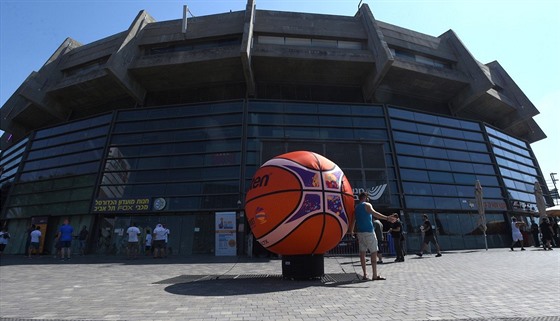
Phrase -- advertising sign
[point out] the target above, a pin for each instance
(128, 205)
(226, 238)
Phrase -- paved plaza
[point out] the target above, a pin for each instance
(462, 285)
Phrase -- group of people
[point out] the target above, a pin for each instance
(366, 227)
(62, 243)
(157, 240)
(370, 231)
(546, 229)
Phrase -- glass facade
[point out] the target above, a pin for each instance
(189, 155)
(57, 177)
(518, 168)
(179, 165)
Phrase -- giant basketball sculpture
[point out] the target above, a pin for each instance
(299, 205)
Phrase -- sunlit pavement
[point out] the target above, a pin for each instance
(462, 285)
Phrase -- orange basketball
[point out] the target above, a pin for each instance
(299, 203)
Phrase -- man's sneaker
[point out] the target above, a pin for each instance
(419, 254)
(380, 262)
(438, 255)
(522, 249)
(512, 248)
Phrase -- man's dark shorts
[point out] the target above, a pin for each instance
(430, 238)
(64, 244)
(34, 245)
(159, 244)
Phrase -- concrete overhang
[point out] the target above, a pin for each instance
(311, 65)
(528, 130)
(34, 116)
(428, 83)
(184, 70)
(96, 88)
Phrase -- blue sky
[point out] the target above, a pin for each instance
(521, 35)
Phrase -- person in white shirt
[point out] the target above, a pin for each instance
(35, 241)
(133, 233)
(160, 234)
(516, 233)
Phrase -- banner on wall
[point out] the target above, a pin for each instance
(226, 239)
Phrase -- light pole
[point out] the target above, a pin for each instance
(554, 180)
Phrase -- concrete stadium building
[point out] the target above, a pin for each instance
(162, 123)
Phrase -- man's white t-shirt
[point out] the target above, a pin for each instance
(35, 236)
(133, 232)
(160, 233)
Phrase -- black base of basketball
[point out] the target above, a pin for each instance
(303, 267)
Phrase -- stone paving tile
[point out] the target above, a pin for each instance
(463, 285)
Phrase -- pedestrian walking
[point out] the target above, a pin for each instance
(547, 233)
(516, 233)
(535, 233)
(429, 236)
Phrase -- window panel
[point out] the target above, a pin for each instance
(464, 178)
(447, 203)
(444, 190)
(405, 161)
(458, 155)
(417, 188)
(483, 169)
(434, 152)
(462, 167)
(420, 202)
(370, 134)
(401, 113)
(438, 165)
(403, 125)
(408, 149)
(335, 121)
(406, 137)
(440, 177)
(431, 141)
(414, 175)
(428, 129)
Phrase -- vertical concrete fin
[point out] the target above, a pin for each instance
(512, 94)
(33, 90)
(479, 83)
(246, 46)
(118, 63)
(381, 52)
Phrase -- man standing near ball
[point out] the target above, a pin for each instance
(363, 221)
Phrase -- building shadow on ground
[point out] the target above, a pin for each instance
(230, 285)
